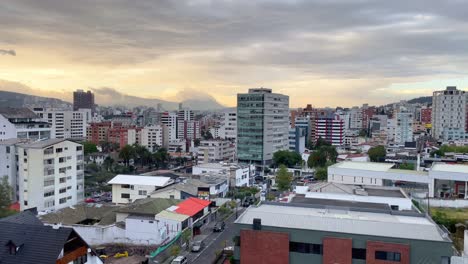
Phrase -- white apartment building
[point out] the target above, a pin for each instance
(22, 123)
(169, 119)
(50, 174)
(355, 118)
(239, 175)
(448, 111)
(128, 188)
(8, 162)
(215, 151)
(404, 127)
(66, 123)
(154, 135)
(229, 127)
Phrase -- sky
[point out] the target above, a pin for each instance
(324, 52)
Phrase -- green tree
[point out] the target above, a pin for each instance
(377, 153)
(406, 166)
(321, 173)
(161, 157)
(330, 153)
(321, 142)
(6, 192)
(196, 142)
(283, 179)
(89, 147)
(108, 163)
(287, 158)
(316, 159)
(175, 250)
(127, 153)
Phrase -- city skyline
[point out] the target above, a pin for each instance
(337, 53)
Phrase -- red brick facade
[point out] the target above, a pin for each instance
(373, 246)
(337, 250)
(264, 247)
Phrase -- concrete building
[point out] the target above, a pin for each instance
(123, 136)
(240, 175)
(22, 123)
(303, 233)
(262, 125)
(448, 111)
(404, 128)
(50, 174)
(83, 100)
(177, 145)
(229, 127)
(188, 129)
(215, 150)
(65, 123)
(297, 139)
(169, 119)
(8, 163)
(329, 127)
(128, 188)
(98, 132)
(304, 123)
(425, 115)
(154, 136)
(355, 118)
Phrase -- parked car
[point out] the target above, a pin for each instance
(219, 227)
(90, 200)
(197, 246)
(179, 260)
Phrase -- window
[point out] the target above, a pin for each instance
(61, 160)
(171, 197)
(141, 192)
(62, 180)
(58, 150)
(305, 248)
(63, 190)
(47, 194)
(78, 148)
(359, 253)
(62, 200)
(385, 255)
(125, 195)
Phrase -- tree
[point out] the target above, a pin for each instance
(6, 192)
(175, 250)
(89, 147)
(161, 157)
(363, 133)
(178, 149)
(321, 142)
(317, 159)
(321, 173)
(283, 179)
(330, 153)
(377, 154)
(127, 153)
(196, 142)
(287, 158)
(108, 162)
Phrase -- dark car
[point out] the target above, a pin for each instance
(219, 227)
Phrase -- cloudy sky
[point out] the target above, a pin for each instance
(326, 52)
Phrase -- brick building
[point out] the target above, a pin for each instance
(308, 233)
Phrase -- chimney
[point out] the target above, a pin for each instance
(257, 224)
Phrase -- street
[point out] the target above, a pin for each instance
(215, 242)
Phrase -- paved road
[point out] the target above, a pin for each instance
(215, 242)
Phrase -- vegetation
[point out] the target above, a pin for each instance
(287, 158)
(206, 135)
(242, 192)
(224, 211)
(127, 153)
(321, 173)
(89, 147)
(6, 193)
(322, 155)
(283, 179)
(449, 148)
(377, 154)
(406, 166)
(175, 250)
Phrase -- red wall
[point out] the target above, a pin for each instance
(373, 246)
(264, 247)
(337, 250)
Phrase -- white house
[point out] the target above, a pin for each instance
(128, 188)
(239, 175)
(22, 123)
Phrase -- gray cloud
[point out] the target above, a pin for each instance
(7, 52)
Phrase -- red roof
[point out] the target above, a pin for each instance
(192, 206)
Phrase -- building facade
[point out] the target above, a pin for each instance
(448, 111)
(329, 127)
(262, 125)
(66, 124)
(215, 151)
(169, 119)
(22, 123)
(154, 136)
(83, 100)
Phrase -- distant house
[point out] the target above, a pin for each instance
(128, 188)
(24, 239)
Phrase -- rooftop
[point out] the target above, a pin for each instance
(371, 166)
(302, 199)
(445, 167)
(173, 216)
(148, 206)
(159, 181)
(192, 206)
(12, 113)
(43, 143)
(342, 220)
(101, 214)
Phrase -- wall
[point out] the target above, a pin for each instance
(7, 129)
(117, 191)
(264, 247)
(96, 235)
(143, 231)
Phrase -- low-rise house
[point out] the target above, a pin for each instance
(128, 188)
(26, 240)
(240, 175)
(201, 186)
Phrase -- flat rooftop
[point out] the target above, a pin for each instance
(302, 199)
(371, 166)
(446, 167)
(344, 221)
(159, 181)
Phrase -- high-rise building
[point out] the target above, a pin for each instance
(65, 123)
(448, 111)
(154, 136)
(229, 125)
(47, 175)
(98, 132)
(83, 100)
(330, 127)
(170, 120)
(426, 115)
(262, 125)
(22, 123)
(297, 139)
(355, 118)
(215, 150)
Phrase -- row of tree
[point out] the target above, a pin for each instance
(142, 156)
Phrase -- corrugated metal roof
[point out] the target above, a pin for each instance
(344, 221)
(192, 206)
(172, 216)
